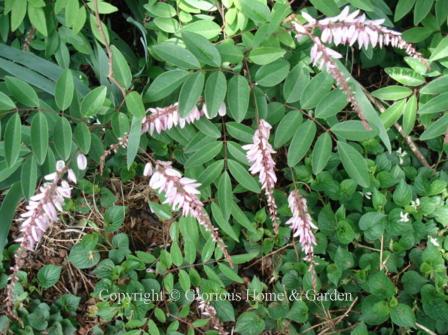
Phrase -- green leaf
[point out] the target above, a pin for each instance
(222, 222)
(403, 316)
(18, 12)
(120, 67)
(301, 142)
(403, 7)
(238, 97)
(114, 218)
(28, 177)
(298, 312)
(215, 92)
(229, 273)
(332, 104)
(49, 275)
(295, 83)
(409, 114)
(39, 137)
(287, 127)
(103, 7)
(93, 101)
(318, 87)
(65, 88)
(255, 10)
(134, 104)
(272, 74)
(96, 32)
(13, 139)
(354, 164)
(165, 84)
(190, 92)
(8, 210)
(204, 155)
(249, 323)
(37, 19)
(242, 176)
(22, 91)
(207, 28)
(421, 10)
(204, 51)
(380, 285)
(435, 105)
(6, 103)
(225, 194)
(266, 55)
(436, 86)
(435, 129)
(353, 130)
(82, 137)
(321, 153)
(63, 138)
(327, 7)
(133, 141)
(239, 131)
(84, 255)
(392, 92)
(393, 113)
(405, 76)
(176, 55)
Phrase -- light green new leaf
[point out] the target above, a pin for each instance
(441, 50)
(165, 84)
(207, 28)
(225, 195)
(204, 51)
(242, 176)
(238, 97)
(28, 177)
(37, 19)
(393, 113)
(18, 12)
(321, 153)
(403, 7)
(421, 10)
(22, 91)
(63, 138)
(190, 92)
(215, 92)
(436, 129)
(301, 142)
(435, 105)
(65, 89)
(39, 137)
(354, 164)
(409, 114)
(255, 10)
(436, 86)
(265, 55)
(13, 139)
(392, 92)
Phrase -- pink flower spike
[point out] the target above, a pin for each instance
(259, 155)
(301, 224)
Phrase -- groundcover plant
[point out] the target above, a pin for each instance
(223, 167)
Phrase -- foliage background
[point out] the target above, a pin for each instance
(78, 75)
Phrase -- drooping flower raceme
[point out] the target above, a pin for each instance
(209, 311)
(350, 28)
(182, 193)
(41, 211)
(301, 224)
(259, 154)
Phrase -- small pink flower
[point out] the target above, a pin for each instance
(81, 160)
(147, 172)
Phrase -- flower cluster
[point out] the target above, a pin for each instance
(259, 154)
(42, 211)
(301, 224)
(209, 311)
(182, 193)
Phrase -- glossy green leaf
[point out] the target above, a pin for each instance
(6, 103)
(215, 92)
(272, 74)
(332, 104)
(436, 129)
(65, 88)
(120, 67)
(238, 97)
(204, 51)
(176, 55)
(22, 91)
(8, 210)
(37, 19)
(421, 10)
(190, 92)
(393, 113)
(225, 195)
(13, 139)
(133, 141)
(403, 7)
(63, 138)
(435, 105)
(242, 176)
(318, 87)
(321, 153)
(222, 221)
(165, 84)
(409, 114)
(405, 76)
(265, 55)
(287, 127)
(204, 155)
(436, 86)
(93, 101)
(28, 177)
(393, 92)
(134, 104)
(295, 83)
